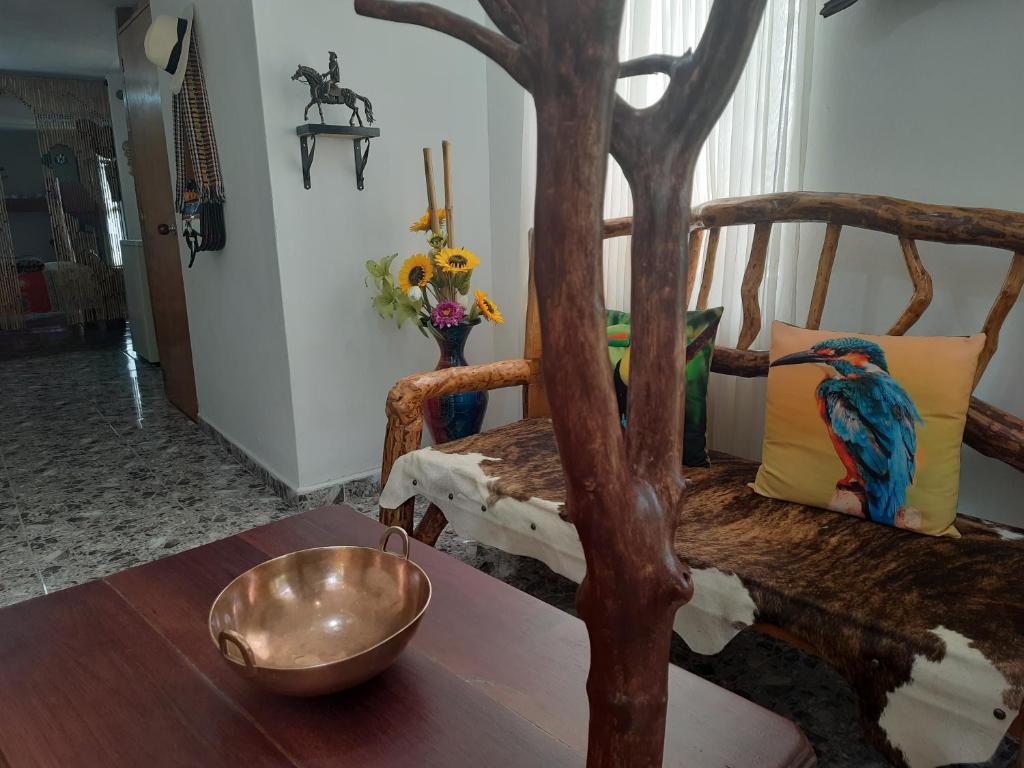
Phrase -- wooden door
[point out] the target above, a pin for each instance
(156, 213)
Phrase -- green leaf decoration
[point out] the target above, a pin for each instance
(406, 311)
(462, 282)
(380, 271)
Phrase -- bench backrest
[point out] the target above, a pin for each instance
(992, 431)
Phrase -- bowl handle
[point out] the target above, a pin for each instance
(229, 635)
(383, 546)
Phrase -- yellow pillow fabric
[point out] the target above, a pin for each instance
(868, 425)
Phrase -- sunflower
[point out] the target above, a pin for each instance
(455, 260)
(422, 224)
(488, 308)
(416, 271)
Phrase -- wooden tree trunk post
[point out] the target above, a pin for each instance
(428, 173)
(634, 581)
(449, 200)
(623, 491)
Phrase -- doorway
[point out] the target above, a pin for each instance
(61, 214)
(156, 212)
(26, 240)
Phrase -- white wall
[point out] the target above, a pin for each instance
(292, 363)
(424, 87)
(920, 99)
(235, 311)
(512, 171)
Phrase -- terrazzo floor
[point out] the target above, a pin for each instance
(98, 472)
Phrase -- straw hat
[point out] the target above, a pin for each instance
(167, 43)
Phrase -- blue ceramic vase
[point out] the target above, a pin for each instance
(450, 417)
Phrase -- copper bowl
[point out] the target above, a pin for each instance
(321, 620)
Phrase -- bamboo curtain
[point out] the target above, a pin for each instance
(76, 147)
(10, 295)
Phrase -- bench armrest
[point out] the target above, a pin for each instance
(406, 398)
(405, 411)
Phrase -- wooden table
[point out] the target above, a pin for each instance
(123, 672)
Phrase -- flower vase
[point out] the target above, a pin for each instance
(450, 417)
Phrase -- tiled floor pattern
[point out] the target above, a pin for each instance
(99, 472)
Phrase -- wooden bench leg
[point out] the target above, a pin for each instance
(1017, 730)
(401, 517)
(431, 526)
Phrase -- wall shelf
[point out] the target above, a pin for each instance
(359, 136)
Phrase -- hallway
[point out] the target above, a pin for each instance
(99, 472)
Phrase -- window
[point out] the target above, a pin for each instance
(113, 210)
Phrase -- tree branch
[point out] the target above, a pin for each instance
(653, 64)
(506, 18)
(714, 69)
(624, 133)
(656, 148)
(500, 49)
(654, 429)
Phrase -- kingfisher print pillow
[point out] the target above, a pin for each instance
(701, 327)
(868, 425)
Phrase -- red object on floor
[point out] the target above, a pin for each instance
(33, 290)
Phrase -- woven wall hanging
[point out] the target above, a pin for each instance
(172, 44)
(199, 187)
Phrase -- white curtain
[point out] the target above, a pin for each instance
(756, 147)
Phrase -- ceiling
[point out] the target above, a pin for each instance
(66, 37)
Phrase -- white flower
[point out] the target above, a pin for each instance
(415, 293)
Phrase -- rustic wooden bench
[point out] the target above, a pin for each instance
(935, 650)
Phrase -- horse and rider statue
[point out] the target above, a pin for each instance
(326, 89)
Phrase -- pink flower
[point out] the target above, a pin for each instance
(447, 314)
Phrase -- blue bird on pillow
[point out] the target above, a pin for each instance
(870, 419)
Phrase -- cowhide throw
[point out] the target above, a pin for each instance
(928, 631)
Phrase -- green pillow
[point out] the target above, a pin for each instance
(701, 327)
